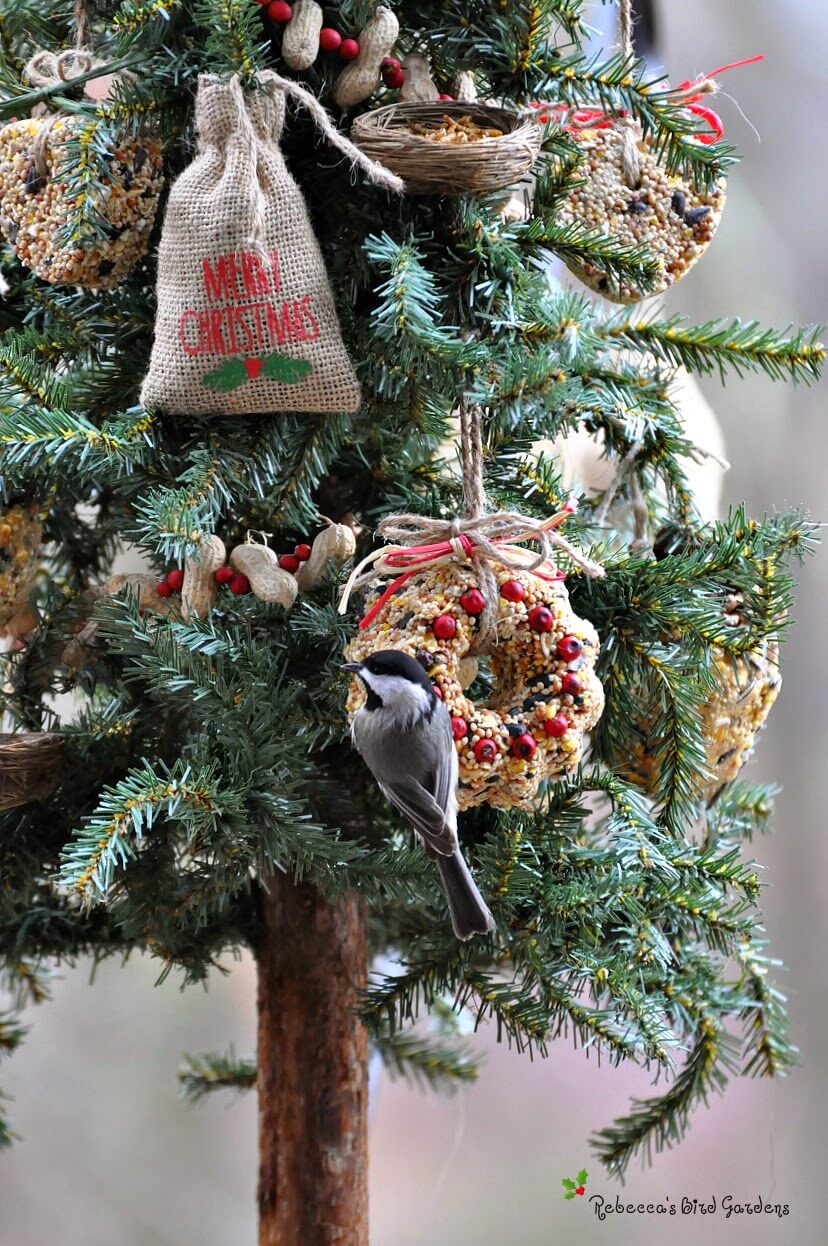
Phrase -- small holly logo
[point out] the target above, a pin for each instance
(236, 372)
(578, 1186)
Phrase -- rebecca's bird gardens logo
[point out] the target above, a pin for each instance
(578, 1186)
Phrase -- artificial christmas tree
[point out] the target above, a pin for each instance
(206, 795)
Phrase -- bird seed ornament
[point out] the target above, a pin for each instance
(466, 589)
(731, 719)
(625, 191)
(21, 529)
(246, 320)
(37, 200)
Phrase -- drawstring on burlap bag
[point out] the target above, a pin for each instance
(246, 320)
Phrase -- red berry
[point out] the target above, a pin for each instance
(580, 1189)
(459, 728)
(569, 648)
(473, 601)
(572, 683)
(438, 691)
(302, 552)
(393, 78)
(513, 590)
(443, 96)
(390, 62)
(541, 619)
(556, 726)
(329, 39)
(223, 575)
(253, 368)
(289, 562)
(349, 49)
(485, 750)
(279, 12)
(444, 626)
(263, 2)
(175, 579)
(524, 746)
(163, 589)
(239, 584)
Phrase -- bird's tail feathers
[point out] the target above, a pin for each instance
(469, 914)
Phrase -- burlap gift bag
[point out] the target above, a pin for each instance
(246, 319)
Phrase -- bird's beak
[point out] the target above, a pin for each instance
(355, 667)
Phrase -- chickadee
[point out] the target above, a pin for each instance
(404, 734)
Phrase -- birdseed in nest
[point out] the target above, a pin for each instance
(665, 213)
(20, 533)
(455, 130)
(731, 719)
(33, 210)
(546, 694)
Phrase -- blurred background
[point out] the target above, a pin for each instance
(109, 1155)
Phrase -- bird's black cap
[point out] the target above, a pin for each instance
(395, 662)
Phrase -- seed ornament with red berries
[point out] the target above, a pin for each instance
(465, 588)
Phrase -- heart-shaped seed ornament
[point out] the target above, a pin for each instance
(665, 213)
(35, 203)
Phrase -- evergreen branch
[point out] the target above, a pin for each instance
(767, 1051)
(35, 438)
(619, 83)
(174, 519)
(200, 1075)
(590, 249)
(742, 810)
(659, 1123)
(114, 833)
(233, 40)
(427, 1061)
(715, 346)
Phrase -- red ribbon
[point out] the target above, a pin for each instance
(415, 557)
(597, 119)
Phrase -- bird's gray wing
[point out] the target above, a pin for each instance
(433, 823)
(443, 784)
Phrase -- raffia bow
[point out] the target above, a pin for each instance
(486, 541)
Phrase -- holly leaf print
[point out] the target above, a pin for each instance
(285, 370)
(568, 1184)
(229, 376)
(582, 1177)
(569, 1194)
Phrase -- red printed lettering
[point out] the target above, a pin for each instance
(216, 285)
(313, 327)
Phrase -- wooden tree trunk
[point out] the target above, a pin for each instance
(312, 1070)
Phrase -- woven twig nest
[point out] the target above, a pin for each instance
(28, 766)
(429, 167)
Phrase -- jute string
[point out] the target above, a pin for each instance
(50, 69)
(484, 541)
(630, 129)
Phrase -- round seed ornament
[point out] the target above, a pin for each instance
(625, 192)
(545, 693)
(35, 203)
(731, 719)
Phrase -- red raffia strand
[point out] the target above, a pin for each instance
(598, 119)
(415, 557)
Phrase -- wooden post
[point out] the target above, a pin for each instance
(312, 1070)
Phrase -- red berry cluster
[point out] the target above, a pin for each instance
(234, 580)
(171, 583)
(292, 562)
(330, 40)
